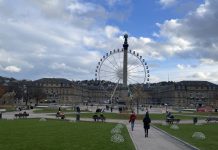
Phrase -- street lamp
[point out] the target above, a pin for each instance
(137, 105)
(25, 93)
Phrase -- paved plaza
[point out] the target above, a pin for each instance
(157, 140)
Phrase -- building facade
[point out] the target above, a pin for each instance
(186, 93)
(189, 94)
(58, 90)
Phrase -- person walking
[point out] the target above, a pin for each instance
(146, 122)
(77, 113)
(132, 119)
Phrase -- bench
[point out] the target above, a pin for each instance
(58, 115)
(97, 118)
(172, 120)
(23, 115)
(211, 119)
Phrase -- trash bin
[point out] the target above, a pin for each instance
(77, 116)
(195, 120)
(0, 115)
(216, 110)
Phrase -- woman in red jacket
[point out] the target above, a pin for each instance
(132, 120)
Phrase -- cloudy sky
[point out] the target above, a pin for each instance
(66, 38)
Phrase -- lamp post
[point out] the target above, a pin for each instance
(25, 94)
(137, 105)
(82, 95)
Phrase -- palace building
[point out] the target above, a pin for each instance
(185, 93)
(189, 94)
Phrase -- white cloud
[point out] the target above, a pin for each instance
(12, 69)
(76, 7)
(208, 61)
(202, 9)
(71, 36)
(89, 41)
(196, 35)
(182, 66)
(49, 36)
(155, 35)
(111, 31)
(170, 27)
(202, 71)
(167, 3)
(146, 47)
(155, 79)
(44, 37)
(200, 75)
(120, 2)
(112, 2)
(60, 66)
(40, 41)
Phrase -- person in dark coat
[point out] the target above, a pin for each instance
(146, 122)
(78, 109)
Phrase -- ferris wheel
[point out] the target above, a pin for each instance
(110, 68)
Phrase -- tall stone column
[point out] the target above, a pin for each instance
(125, 57)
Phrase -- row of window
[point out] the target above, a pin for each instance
(54, 84)
(195, 87)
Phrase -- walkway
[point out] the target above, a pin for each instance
(156, 140)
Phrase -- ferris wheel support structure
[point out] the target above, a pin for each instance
(112, 95)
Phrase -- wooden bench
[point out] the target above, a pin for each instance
(97, 118)
(211, 119)
(172, 120)
(23, 115)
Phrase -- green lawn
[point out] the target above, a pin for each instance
(59, 135)
(185, 132)
(205, 113)
(8, 108)
(188, 117)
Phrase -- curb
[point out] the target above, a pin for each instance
(178, 139)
